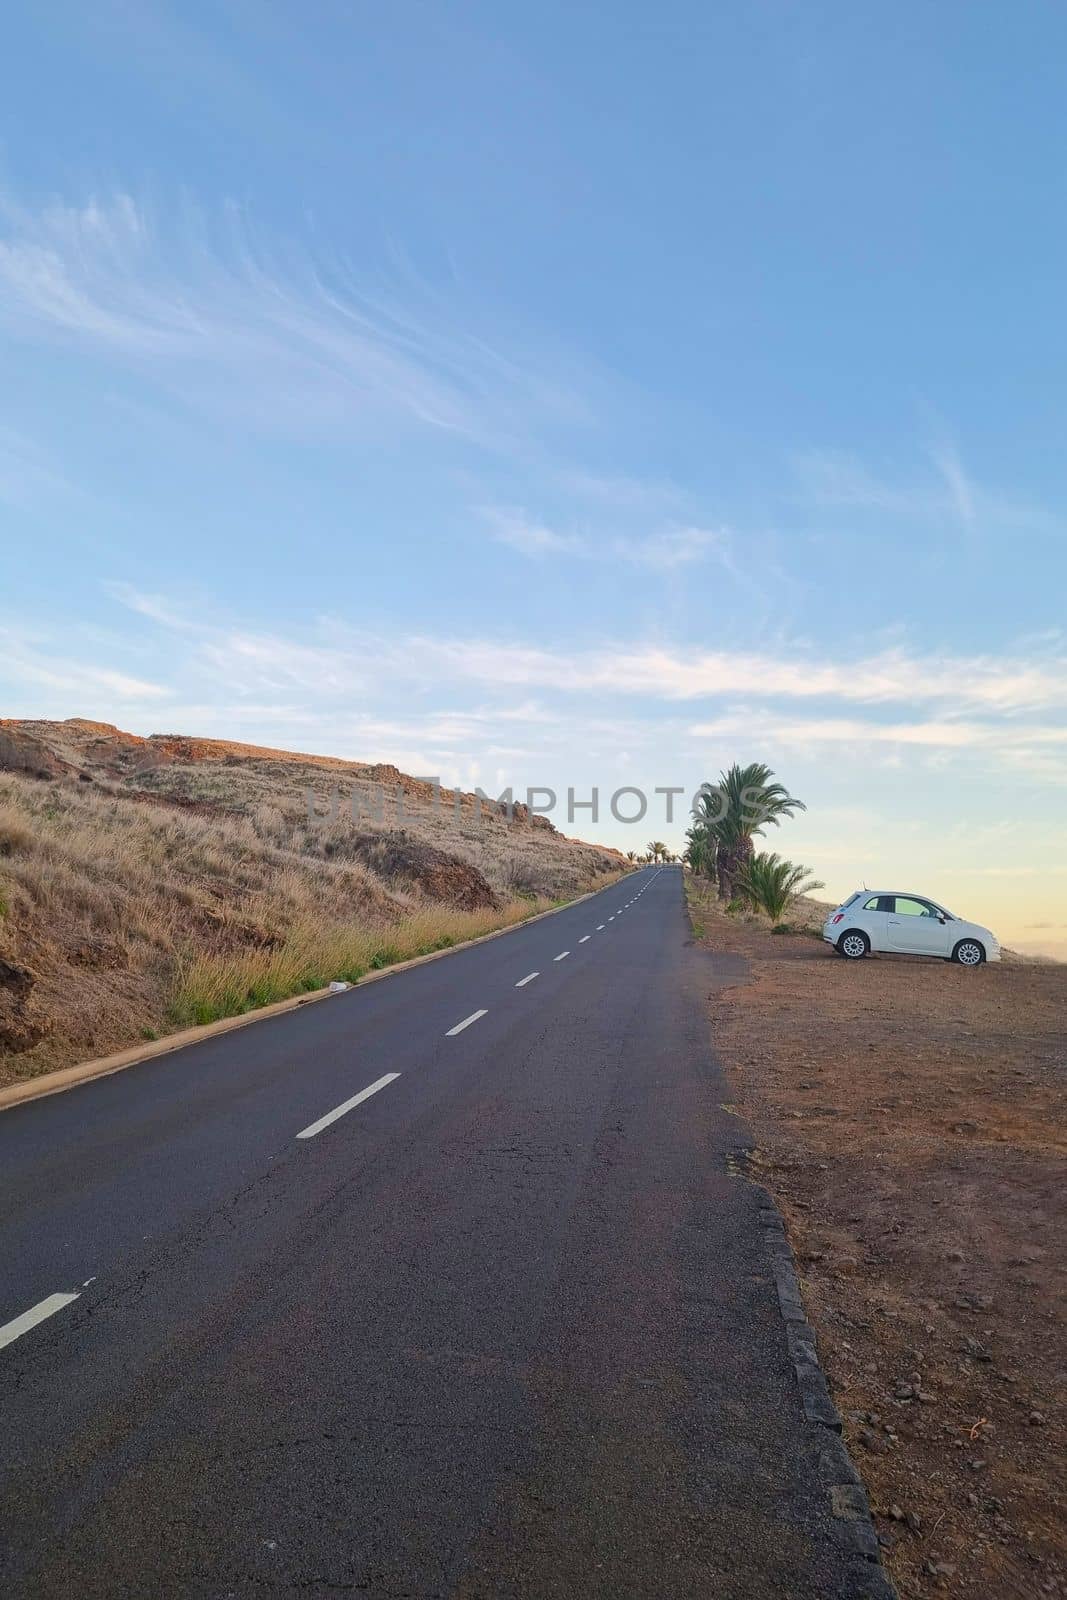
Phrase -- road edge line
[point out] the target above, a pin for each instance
(15, 1094)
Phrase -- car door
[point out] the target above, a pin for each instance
(918, 927)
(873, 918)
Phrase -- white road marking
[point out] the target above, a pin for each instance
(529, 978)
(561, 955)
(583, 939)
(347, 1105)
(600, 927)
(466, 1022)
(29, 1319)
(612, 917)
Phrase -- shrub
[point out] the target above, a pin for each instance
(15, 837)
(770, 883)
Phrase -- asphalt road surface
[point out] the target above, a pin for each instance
(502, 1327)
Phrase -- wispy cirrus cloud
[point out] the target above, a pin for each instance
(671, 548)
(833, 480)
(339, 658)
(272, 335)
(664, 550)
(944, 492)
(935, 733)
(446, 700)
(530, 537)
(34, 663)
(960, 492)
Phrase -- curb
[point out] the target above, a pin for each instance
(69, 1077)
(849, 1506)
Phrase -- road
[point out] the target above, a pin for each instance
(502, 1327)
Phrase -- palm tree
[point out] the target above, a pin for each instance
(700, 849)
(631, 855)
(735, 811)
(770, 883)
(657, 850)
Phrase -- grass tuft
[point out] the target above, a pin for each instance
(213, 985)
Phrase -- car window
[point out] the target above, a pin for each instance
(914, 908)
(879, 902)
(871, 904)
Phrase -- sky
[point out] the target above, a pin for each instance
(558, 396)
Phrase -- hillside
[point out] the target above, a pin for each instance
(149, 882)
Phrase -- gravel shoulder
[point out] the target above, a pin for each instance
(908, 1116)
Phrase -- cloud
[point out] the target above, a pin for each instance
(664, 674)
(664, 551)
(835, 480)
(530, 538)
(155, 607)
(1035, 749)
(676, 547)
(31, 662)
(936, 733)
(959, 489)
(393, 695)
(277, 338)
(625, 494)
(831, 479)
(340, 660)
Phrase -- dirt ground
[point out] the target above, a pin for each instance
(909, 1118)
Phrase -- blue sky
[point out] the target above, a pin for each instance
(557, 395)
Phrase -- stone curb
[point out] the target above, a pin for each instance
(849, 1506)
(69, 1077)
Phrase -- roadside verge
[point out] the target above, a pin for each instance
(909, 1121)
(849, 1507)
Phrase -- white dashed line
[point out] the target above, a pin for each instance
(466, 1022)
(529, 978)
(29, 1319)
(561, 956)
(583, 939)
(346, 1105)
(600, 927)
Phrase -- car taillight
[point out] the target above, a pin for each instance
(839, 917)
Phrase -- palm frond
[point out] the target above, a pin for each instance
(770, 883)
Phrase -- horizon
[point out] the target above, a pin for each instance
(581, 400)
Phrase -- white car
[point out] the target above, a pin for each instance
(882, 919)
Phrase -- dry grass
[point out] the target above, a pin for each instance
(213, 986)
(138, 914)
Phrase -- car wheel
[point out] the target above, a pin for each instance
(854, 945)
(969, 953)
